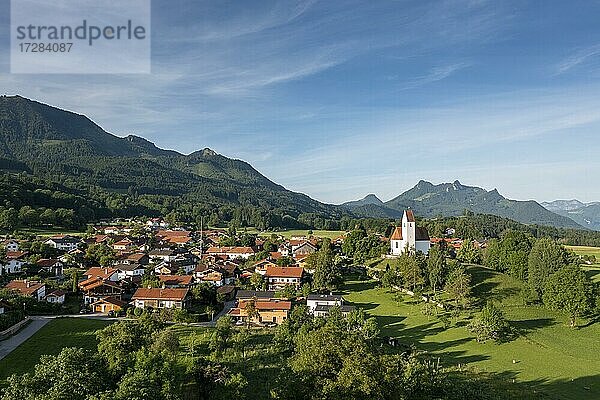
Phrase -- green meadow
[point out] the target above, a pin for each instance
(545, 356)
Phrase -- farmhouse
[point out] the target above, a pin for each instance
(409, 236)
(96, 288)
(161, 298)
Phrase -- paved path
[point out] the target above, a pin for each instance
(8, 345)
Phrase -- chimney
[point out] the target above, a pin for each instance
(106, 271)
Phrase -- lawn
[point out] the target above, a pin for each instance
(51, 339)
(547, 356)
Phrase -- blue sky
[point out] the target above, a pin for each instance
(338, 99)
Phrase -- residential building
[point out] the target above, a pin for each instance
(320, 304)
(56, 296)
(176, 281)
(108, 304)
(51, 266)
(25, 287)
(96, 288)
(269, 311)
(11, 245)
(161, 298)
(409, 237)
(64, 243)
(106, 273)
(280, 277)
(13, 262)
(125, 271)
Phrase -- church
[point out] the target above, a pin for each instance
(409, 236)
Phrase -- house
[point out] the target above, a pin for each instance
(13, 262)
(56, 296)
(107, 274)
(303, 249)
(226, 291)
(11, 245)
(108, 304)
(232, 252)
(255, 294)
(409, 236)
(157, 223)
(158, 255)
(125, 271)
(269, 311)
(320, 304)
(96, 288)
(260, 267)
(136, 258)
(34, 289)
(124, 245)
(280, 277)
(64, 243)
(161, 298)
(176, 281)
(51, 266)
(183, 264)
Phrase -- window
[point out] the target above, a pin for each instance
(274, 319)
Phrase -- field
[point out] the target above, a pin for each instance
(51, 339)
(547, 356)
(298, 232)
(593, 271)
(49, 232)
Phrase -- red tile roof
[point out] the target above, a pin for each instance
(268, 305)
(24, 286)
(103, 273)
(14, 255)
(284, 272)
(410, 216)
(176, 279)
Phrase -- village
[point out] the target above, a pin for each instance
(123, 267)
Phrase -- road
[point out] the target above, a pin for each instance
(8, 345)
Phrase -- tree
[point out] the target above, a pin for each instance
(468, 253)
(74, 273)
(251, 311)
(569, 290)
(221, 334)
(458, 286)
(257, 281)
(73, 374)
(411, 270)
(491, 255)
(489, 324)
(546, 258)
(436, 268)
(327, 275)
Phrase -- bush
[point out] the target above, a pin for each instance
(489, 324)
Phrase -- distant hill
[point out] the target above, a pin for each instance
(66, 147)
(451, 199)
(585, 214)
(372, 207)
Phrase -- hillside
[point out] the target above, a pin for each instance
(451, 199)
(585, 214)
(61, 146)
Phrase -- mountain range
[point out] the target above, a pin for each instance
(452, 199)
(70, 150)
(585, 214)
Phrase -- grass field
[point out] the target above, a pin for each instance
(260, 366)
(50, 232)
(547, 356)
(51, 339)
(593, 271)
(298, 232)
